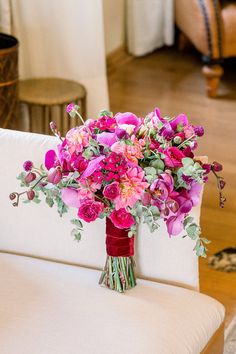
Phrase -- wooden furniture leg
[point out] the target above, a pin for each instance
(212, 74)
(183, 42)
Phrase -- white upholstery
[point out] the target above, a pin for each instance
(50, 308)
(38, 230)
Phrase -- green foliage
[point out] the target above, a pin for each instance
(76, 232)
(105, 113)
(194, 232)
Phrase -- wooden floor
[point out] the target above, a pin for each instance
(173, 81)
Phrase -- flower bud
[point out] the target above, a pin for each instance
(222, 184)
(206, 167)
(55, 175)
(30, 194)
(12, 196)
(53, 126)
(199, 130)
(217, 167)
(30, 177)
(28, 165)
(177, 139)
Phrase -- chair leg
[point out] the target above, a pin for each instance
(184, 43)
(213, 75)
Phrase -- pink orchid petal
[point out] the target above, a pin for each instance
(50, 158)
(175, 224)
(92, 166)
(181, 119)
(107, 138)
(70, 197)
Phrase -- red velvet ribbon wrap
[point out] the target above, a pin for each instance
(118, 243)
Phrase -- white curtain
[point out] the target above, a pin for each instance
(62, 38)
(150, 25)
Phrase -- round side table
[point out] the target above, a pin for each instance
(48, 93)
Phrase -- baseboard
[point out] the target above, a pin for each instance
(117, 58)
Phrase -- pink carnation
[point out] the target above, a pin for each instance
(90, 210)
(122, 219)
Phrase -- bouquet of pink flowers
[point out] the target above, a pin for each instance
(125, 169)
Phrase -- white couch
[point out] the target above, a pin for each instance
(51, 302)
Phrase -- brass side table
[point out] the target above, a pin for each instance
(48, 93)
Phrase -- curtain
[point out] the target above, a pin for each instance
(150, 25)
(62, 38)
(5, 16)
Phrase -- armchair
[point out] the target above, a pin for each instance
(51, 302)
(211, 26)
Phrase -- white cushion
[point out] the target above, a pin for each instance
(50, 308)
(38, 230)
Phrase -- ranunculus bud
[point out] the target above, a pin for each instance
(53, 126)
(30, 194)
(70, 107)
(12, 196)
(30, 177)
(199, 130)
(206, 167)
(222, 184)
(217, 167)
(28, 165)
(55, 175)
(177, 139)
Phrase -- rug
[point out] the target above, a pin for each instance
(230, 338)
(224, 260)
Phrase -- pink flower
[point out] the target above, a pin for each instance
(163, 186)
(173, 157)
(132, 187)
(90, 210)
(51, 159)
(175, 224)
(132, 152)
(75, 197)
(128, 121)
(55, 175)
(112, 191)
(27, 166)
(92, 166)
(107, 138)
(77, 139)
(122, 219)
(179, 122)
(70, 107)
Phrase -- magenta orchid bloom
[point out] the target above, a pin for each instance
(128, 122)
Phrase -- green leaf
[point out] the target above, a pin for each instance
(150, 171)
(187, 161)
(192, 231)
(77, 223)
(105, 113)
(188, 220)
(76, 234)
(49, 201)
(158, 164)
(128, 142)
(87, 154)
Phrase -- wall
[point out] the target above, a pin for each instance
(114, 24)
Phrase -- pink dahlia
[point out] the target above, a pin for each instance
(76, 139)
(132, 186)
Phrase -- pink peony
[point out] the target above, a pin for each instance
(90, 210)
(112, 191)
(122, 219)
(173, 157)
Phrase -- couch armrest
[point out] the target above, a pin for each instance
(201, 22)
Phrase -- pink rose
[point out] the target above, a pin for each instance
(122, 219)
(173, 157)
(111, 191)
(90, 210)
